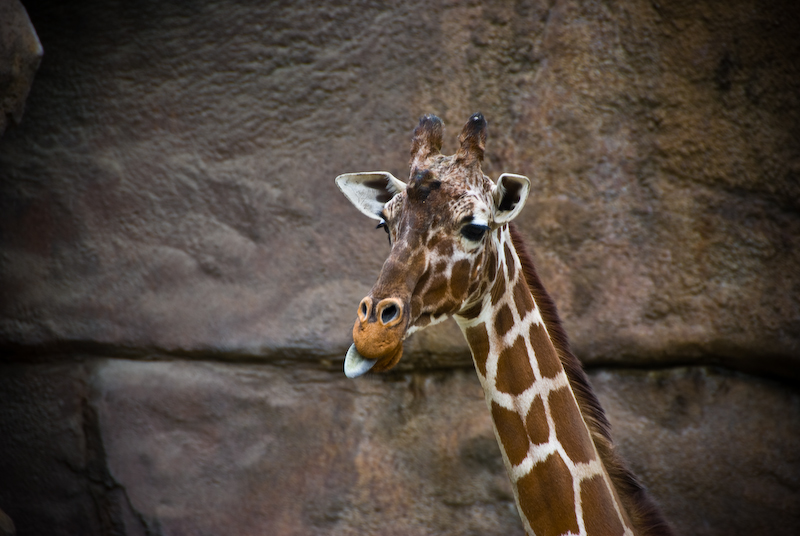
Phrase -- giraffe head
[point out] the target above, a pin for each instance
(441, 225)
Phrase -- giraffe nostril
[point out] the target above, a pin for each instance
(364, 309)
(389, 313)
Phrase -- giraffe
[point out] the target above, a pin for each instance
(455, 252)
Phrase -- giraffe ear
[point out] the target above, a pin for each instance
(370, 191)
(510, 195)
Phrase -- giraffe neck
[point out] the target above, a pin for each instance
(560, 483)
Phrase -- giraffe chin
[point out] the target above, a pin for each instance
(356, 365)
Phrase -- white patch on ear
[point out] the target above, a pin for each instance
(510, 195)
(369, 192)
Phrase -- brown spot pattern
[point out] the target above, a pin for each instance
(512, 433)
(477, 265)
(473, 311)
(549, 364)
(478, 340)
(423, 321)
(483, 288)
(546, 492)
(449, 305)
(498, 290)
(599, 515)
(549, 505)
(503, 320)
(473, 286)
(491, 265)
(437, 290)
(511, 266)
(570, 429)
(459, 279)
(523, 298)
(514, 372)
(422, 282)
(416, 306)
(444, 248)
(536, 422)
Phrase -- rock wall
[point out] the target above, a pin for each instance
(180, 275)
(20, 55)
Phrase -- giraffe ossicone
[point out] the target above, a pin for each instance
(455, 253)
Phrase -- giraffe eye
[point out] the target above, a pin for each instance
(385, 226)
(474, 232)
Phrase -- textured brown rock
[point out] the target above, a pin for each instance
(721, 451)
(667, 164)
(179, 194)
(54, 475)
(187, 448)
(20, 54)
(239, 449)
(202, 448)
(170, 196)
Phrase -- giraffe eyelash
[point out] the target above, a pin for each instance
(474, 232)
(385, 226)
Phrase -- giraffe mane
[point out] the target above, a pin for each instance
(644, 514)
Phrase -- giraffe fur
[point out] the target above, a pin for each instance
(455, 253)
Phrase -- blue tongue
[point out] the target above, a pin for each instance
(355, 365)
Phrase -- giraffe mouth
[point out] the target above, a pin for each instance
(373, 349)
(356, 364)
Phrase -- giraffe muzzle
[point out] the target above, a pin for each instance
(377, 336)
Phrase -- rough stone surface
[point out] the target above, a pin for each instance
(719, 450)
(211, 449)
(203, 448)
(663, 138)
(169, 448)
(169, 198)
(53, 478)
(20, 54)
(172, 187)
